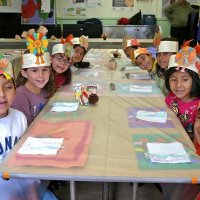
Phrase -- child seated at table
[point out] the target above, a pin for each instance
(61, 64)
(144, 59)
(129, 46)
(80, 46)
(35, 82)
(183, 83)
(166, 48)
(13, 124)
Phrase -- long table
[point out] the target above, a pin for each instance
(117, 149)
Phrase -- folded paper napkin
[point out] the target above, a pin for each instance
(159, 117)
(41, 146)
(173, 152)
(64, 106)
(144, 76)
(139, 88)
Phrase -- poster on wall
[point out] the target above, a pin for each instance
(38, 12)
(122, 5)
(94, 3)
(75, 8)
(10, 6)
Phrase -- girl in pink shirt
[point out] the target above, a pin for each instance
(182, 81)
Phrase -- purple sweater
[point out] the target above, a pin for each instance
(29, 103)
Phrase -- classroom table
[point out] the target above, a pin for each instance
(117, 149)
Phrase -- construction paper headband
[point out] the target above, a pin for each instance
(140, 51)
(29, 60)
(6, 68)
(130, 42)
(168, 46)
(66, 49)
(185, 59)
(37, 44)
(82, 41)
(68, 39)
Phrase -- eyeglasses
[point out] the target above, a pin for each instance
(62, 59)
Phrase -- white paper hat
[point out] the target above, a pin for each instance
(168, 46)
(128, 43)
(131, 42)
(30, 60)
(140, 51)
(58, 48)
(82, 41)
(173, 63)
(75, 40)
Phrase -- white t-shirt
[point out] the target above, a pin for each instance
(12, 127)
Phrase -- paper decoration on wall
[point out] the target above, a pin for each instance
(122, 5)
(129, 3)
(11, 6)
(94, 3)
(75, 8)
(45, 6)
(38, 12)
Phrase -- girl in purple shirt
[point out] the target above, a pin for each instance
(35, 82)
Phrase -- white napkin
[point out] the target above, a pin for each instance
(160, 117)
(173, 152)
(42, 146)
(139, 88)
(92, 74)
(141, 76)
(64, 106)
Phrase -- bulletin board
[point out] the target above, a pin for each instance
(10, 6)
(38, 12)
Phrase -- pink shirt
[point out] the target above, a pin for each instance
(185, 111)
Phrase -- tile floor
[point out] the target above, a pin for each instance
(117, 191)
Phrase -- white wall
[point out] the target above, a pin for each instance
(106, 11)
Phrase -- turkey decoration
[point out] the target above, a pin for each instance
(86, 94)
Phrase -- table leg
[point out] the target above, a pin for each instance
(135, 187)
(72, 190)
(105, 195)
